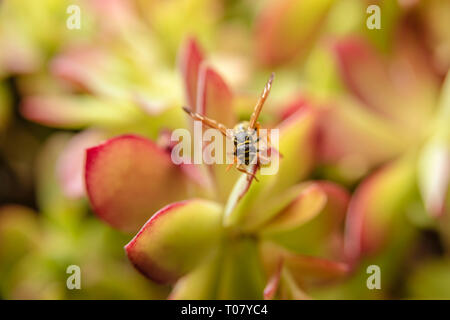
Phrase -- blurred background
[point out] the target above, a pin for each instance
(74, 73)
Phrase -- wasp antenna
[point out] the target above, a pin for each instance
(187, 110)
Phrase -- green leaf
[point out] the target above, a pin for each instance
(305, 270)
(309, 202)
(321, 234)
(176, 240)
(74, 112)
(377, 207)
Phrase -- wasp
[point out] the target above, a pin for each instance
(245, 135)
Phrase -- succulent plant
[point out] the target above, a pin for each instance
(281, 228)
(86, 123)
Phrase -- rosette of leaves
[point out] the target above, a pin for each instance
(272, 239)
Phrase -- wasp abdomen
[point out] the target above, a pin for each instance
(245, 149)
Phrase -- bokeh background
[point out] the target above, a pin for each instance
(382, 130)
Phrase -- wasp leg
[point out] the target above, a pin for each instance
(231, 164)
(249, 174)
(234, 160)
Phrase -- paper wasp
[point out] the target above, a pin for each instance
(245, 135)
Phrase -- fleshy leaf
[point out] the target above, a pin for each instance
(320, 233)
(286, 29)
(79, 66)
(129, 178)
(74, 112)
(305, 270)
(377, 206)
(176, 240)
(190, 59)
(239, 190)
(309, 202)
(214, 97)
(314, 271)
